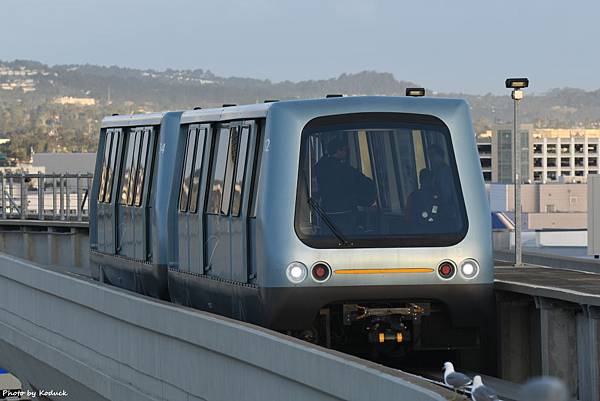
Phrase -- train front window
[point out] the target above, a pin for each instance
(378, 180)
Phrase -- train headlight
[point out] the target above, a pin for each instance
(296, 272)
(469, 268)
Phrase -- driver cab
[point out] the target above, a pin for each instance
(385, 176)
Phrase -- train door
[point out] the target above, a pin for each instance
(131, 211)
(227, 211)
(124, 217)
(137, 199)
(217, 246)
(238, 208)
(106, 201)
(191, 235)
(100, 210)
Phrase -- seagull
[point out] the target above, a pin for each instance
(481, 392)
(545, 388)
(456, 380)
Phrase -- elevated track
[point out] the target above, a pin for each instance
(65, 332)
(59, 329)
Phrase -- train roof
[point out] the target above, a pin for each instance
(349, 104)
(257, 110)
(133, 120)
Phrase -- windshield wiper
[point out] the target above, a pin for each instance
(323, 215)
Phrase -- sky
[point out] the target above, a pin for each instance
(467, 46)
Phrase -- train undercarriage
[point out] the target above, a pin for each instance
(379, 331)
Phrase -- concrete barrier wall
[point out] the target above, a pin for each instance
(61, 332)
(45, 242)
(544, 336)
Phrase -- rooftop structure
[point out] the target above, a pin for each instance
(565, 155)
(76, 163)
(75, 101)
(547, 206)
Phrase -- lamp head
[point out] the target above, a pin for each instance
(415, 92)
(517, 83)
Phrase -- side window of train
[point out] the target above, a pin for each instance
(134, 166)
(186, 176)
(234, 141)
(192, 169)
(126, 172)
(144, 163)
(105, 163)
(240, 170)
(108, 164)
(219, 163)
(197, 172)
(133, 174)
(229, 169)
(114, 149)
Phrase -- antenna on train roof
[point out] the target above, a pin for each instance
(229, 105)
(330, 95)
(197, 108)
(270, 100)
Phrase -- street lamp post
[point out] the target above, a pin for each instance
(517, 85)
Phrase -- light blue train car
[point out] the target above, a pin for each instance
(361, 218)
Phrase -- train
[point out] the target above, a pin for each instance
(359, 219)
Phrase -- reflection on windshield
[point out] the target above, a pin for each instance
(342, 187)
(380, 184)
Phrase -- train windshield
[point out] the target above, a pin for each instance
(378, 180)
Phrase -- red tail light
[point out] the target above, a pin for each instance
(446, 270)
(320, 271)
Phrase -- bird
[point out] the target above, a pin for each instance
(481, 392)
(456, 380)
(545, 388)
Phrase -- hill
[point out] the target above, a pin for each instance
(58, 108)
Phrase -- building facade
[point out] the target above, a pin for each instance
(548, 154)
(545, 206)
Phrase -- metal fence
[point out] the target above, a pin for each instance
(45, 196)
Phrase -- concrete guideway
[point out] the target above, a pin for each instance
(581, 288)
(549, 324)
(63, 332)
(550, 260)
